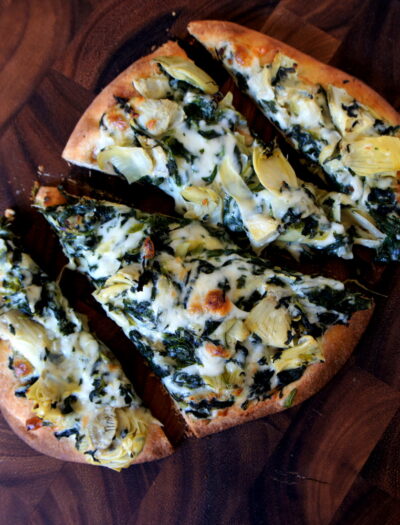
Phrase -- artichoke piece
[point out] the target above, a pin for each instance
(28, 338)
(131, 162)
(185, 70)
(156, 116)
(347, 114)
(237, 331)
(228, 379)
(200, 195)
(306, 352)
(270, 323)
(189, 247)
(102, 428)
(156, 86)
(204, 201)
(373, 156)
(262, 229)
(273, 170)
(124, 279)
(367, 234)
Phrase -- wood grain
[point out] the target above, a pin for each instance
(323, 462)
(34, 33)
(325, 447)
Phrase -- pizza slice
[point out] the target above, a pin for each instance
(61, 390)
(231, 336)
(164, 122)
(347, 132)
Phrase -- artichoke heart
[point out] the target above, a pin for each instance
(348, 116)
(273, 170)
(270, 323)
(306, 352)
(236, 331)
(102, 428)
(156, 116)
(200, 195)
(124, 279)
(29, 339)
(131, 162)
(372, 156)
(228, 379)
(156, 86)
(262, 228)
(185, 70)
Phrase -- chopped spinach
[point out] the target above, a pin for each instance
(261, 386)
(203, 409)
(181, 347)
(290, 376)
(187, 380)
(282, 74)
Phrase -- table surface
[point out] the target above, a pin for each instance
(333, 460)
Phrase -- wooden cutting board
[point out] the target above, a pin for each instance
(323, 462)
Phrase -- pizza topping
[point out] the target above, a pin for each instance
(357, 150)
(373, 155)
(191, 142)
(221, 329)
(33, 423)
(273, 170)
(131, 162)
(75, 386)
(187, 71)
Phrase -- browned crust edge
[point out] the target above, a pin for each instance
(86, 133)
(338, 343)
(16, 410)
(212, 34)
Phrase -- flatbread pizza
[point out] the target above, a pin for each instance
(164, 122)
(349, 135)
(61, 390)
(231, 336)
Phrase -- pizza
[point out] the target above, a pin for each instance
(231, 336)
(348, 134)
(61, 390)
(164, 122)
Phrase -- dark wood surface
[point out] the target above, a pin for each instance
(334, 459)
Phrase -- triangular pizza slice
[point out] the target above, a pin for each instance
(163, 121)
(349, 134)
(231, 336)
(60, 388)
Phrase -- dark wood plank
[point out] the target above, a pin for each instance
(370, 49)
(324, 448)
(333, 17)
(383, 466)
(125, 30)
(367, 505)
(291, 28)
(34, 33)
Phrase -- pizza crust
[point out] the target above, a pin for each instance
(248, 44)
(87, 132)
(16, 410)
(337, 343)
